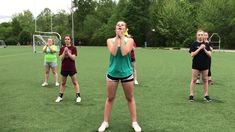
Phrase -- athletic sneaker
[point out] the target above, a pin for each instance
(210, 82)
(44, 84)
(79, 99)
(57, 84)
(207, 98)
(58, 99)
(191, 99)
(136, 127)
(103, 126)
(198, 81)
(136, 82)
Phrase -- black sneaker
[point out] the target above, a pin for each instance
(207, 98)
(191, 99)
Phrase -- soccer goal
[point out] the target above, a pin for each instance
(40, 39)
(215, 40)
(2, 44)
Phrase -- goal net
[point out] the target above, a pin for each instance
(215, 40)
(40, 39)
(2, 44)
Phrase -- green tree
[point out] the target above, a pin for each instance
(5, 30)
(25, 37)
(61, 23)
(83, 8)
(43, 20)
(217, 16)
(137, 17)
(26, 20)
(175, 22)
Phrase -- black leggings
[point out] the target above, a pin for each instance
(209, 70)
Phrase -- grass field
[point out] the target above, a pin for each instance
(161, 98)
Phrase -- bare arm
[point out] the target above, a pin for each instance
(208, 53)
(197, 51)
(51, 49)
(44, 48)
(71, 56)
(125, 49)
(112, 46)
(62, 56)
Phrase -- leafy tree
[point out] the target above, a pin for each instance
(174, 21)
(5, 30)
(25, 37)
(61, 23)
(43, 20)
(137, 17)
(216, 16)
(26, 20)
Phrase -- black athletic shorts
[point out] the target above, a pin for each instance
(66, 73)
(123, 79)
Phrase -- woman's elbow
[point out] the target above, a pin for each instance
(124, 53)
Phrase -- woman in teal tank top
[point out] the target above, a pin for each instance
(120, 69)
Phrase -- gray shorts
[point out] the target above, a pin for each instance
(50, 64)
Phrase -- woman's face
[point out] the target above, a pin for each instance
(200, 36)
(206, 36)
(121, 26)
(50, 41)
(67, 40)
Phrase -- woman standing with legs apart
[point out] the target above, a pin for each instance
(120, 69)
(201, 54)
(68, 55)
(50, 61)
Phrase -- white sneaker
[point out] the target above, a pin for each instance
(44, 84)
(198, 81)
(136, 82)
(57, 84)
(79, 99)
(58, 99)
(136, 127)
(103, 126)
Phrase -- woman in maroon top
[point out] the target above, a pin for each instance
(68, 55)
(133, 62)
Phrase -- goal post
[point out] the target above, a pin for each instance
(215, 40)
(2, 44)
(40, 39)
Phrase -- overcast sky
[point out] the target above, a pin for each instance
(11, 7)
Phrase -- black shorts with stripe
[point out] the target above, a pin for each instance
(123, 79)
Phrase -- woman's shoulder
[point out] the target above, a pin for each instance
(110, 40)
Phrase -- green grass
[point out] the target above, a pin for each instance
(161, 97)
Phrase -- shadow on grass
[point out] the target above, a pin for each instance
(217, 101)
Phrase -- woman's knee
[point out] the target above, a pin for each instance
(47, 72)
(110, 98)
(54, 72)
(75, 83)
(130, 98)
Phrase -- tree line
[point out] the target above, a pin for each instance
(160, 23)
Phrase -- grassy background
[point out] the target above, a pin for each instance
(161, 97)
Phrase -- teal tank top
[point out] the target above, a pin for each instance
(120, 66)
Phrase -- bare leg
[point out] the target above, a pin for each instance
(55, 74)
(193, 81)
(205, 81)
(134, 70)
(128, 88)
(75, 83)
(63, 83)
(47, 71)
(111, 88)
